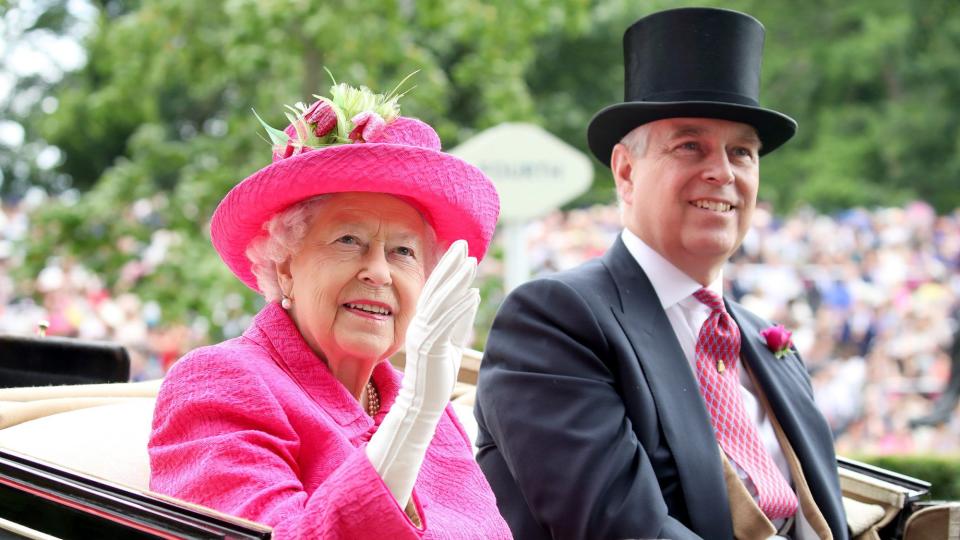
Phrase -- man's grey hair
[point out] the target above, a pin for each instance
(285, 233)
(636, 142)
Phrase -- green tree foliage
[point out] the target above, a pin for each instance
(24, 87)
(873, 85)
(161, 112)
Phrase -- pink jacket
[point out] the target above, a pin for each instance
(258, 427)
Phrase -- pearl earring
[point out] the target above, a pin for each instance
(286, 303)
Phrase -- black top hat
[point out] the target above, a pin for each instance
(690, 62)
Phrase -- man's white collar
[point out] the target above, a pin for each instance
(670, 283)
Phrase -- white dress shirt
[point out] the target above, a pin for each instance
(687, 314)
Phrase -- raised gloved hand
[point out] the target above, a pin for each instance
(435, 338)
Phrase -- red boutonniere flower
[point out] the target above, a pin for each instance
(778, 340)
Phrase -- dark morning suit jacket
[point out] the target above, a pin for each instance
(591, 424)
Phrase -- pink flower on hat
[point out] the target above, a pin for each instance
(284, 150)
(291, 147)
(367, 126)
(778, 340)
(322, 116)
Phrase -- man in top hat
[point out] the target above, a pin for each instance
(626, 398)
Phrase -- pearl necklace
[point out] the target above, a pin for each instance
(373, 399)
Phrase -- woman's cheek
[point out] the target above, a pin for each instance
(401, 322)
(407, 300)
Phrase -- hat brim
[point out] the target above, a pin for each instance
(456, 198)
(611, 124)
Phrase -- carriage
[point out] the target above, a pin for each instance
(73, 456)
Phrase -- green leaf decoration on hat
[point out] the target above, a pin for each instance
(277, 136)
(346, 102)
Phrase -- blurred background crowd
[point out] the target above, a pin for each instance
(124, 122)
(872, 298)
(74, 301)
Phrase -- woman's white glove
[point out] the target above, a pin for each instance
(435, 338)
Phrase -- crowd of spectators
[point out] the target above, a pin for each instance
(72, 301)
(872, 298)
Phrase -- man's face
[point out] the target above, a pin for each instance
(690, 195)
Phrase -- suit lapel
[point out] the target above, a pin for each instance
(782, 380)
(682, 414)
(784, 383)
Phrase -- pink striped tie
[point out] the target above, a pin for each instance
(718, 349)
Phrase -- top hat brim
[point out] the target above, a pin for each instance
(611, 124)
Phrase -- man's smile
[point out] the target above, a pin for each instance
(716, 206)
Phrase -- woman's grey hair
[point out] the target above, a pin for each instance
(285, 234)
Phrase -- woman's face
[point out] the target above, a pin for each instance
(356, 278)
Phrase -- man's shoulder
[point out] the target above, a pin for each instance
(588, 279)
(573, 299)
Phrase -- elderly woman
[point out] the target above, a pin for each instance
(300, 423)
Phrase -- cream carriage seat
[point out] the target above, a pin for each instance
(97, 429)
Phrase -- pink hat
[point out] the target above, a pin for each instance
(376, 151)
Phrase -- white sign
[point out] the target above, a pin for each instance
(534, 171)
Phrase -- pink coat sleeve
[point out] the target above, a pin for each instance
(221, 438)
